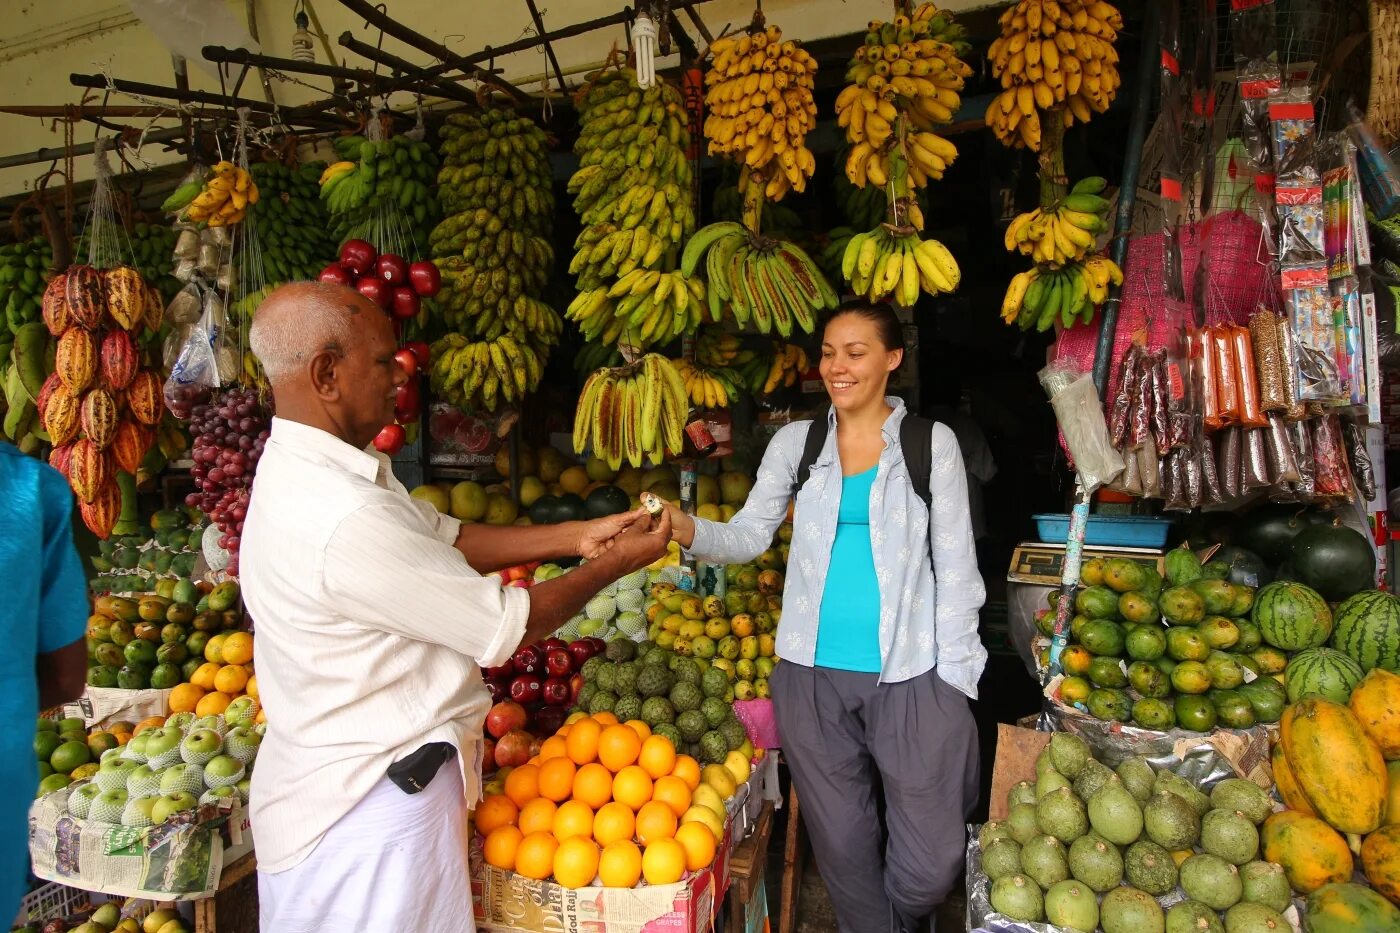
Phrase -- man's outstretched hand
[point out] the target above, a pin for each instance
(643, 541)
(598, 535)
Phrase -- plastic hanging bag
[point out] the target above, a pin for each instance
(1174, 486)
(1150, 471)
(1306, 487)
(1080, 415)
(1330, 459)
(1227, 462)
(1120, 417)
(198, 363)
(1254, 460)
(1362, 470)
(1283, 460)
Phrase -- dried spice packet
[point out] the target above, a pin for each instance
(1207, 384)
(1150, 471)
(1119, 417)
(1362, 470)
(1227, 389)
(1301, 432)
(1212, 492)
(1141, 429)
(1174, 494)
(1283, 462)
(1254, 460)
(1288, 347)
(1268, 361)
(1251, 412)
(1227, 461)
(1330, 459)
(1192, 481)
(1161, 407)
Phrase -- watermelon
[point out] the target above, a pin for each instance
(1368, 630)
(1322, 671)
(1270, 529)
(1335, 560)
(1291, 616)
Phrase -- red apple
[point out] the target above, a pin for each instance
(599, 646)
(558, 662)
(528, 660)
(425, 278)
(358, 255)
(513, 749)
(390, 439)
(337, 274)
(555, 691)
(552, 642)
(404, 302)
(421, 351)
(506, 670)
(550, 718)
(392, 269)
(575, 685)
(579, 651)
(407, 401)
(498, 687)
(526, 688)
(375, 290)
(408, 360)
(504, 717)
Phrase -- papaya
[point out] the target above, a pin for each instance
(1380, 860)
(1335, 764)
(1288, 789)
(1376, 703)
(1311, 853)
(1392, 810)
(1349, 908)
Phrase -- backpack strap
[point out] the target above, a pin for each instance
(816, 440)
(916, 442)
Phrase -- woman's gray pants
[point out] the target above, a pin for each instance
(839, 730)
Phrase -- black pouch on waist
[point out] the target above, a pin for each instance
(417, 771)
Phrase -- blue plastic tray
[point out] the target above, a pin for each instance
(1107, 530)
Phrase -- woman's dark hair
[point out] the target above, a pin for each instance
(887, 325)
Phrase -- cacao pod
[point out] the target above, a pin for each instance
(91, 470)
(86, 301)
(155, 308)
(129, 445)
(60, 416)
(100, 515)
(55, 305)
(118, 360)
(76, 358)
(126, 296)
(98, 416)
(145, 397)
(42, 402)
(61, 459)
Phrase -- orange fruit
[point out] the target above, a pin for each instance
(501, 845)
(495, 811)
(523, 784)
(203, 675)
(537, 816)
(688, 770)
(573, 718)
(605, 718)
(618, 747)
(620, 865)
(231, 679)
(582, 741)
(573, 818)
(613, 823)
(214, 648)
(150, 722)
(553, 747)
(557, 779)
(185, 697)
(593, 784)
(642, 729)
(252, 687)
(576, 862)
(663, 862)
(534, 857)
(655, 821)
(658, 756)
(699, 845)
(632, 786)
(672, 791)
(238, 648)
(212, 704)
(122, 737)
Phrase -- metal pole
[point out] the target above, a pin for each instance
(548, 49)
(388, 59)
(1103, 350)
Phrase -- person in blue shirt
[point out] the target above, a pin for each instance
(45, 660)
(878, 635)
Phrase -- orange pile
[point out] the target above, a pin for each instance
(602, 801)
(226, 675)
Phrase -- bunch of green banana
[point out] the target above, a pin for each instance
(771, 283)
(709, 387)
(480, 375)
(632, 194)
(493, 248)
(379, 186)
(593, 356)
(292, 224)
(634, 413)
(28, 364)
(1065, 232)
(894, 262)
(647, 307)
(150, 248)
(24, 271)
(1042, 297)
(715, 349)
(829, 259)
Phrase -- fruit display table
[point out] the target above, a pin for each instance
(746, 871)
(234, 907)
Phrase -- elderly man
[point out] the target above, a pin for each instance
(373, 621)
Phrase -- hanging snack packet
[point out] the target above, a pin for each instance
(1362, 470)
(1227, 461)
(1330, 459)
(1254, 465)
(1251, 413)
(1227, 388)
(1283, 461)
(1118, 421)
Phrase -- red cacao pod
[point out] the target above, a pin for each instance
(100, 515)
(60, 416)
(145, 397)
(91, 470)
(76, 358)
(118, 360)
(86, 300)
(98, 417)
(57, 316)
(126, 296)
(129, 445)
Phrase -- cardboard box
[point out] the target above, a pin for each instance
(1017, 750)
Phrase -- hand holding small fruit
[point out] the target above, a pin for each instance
(596, 536)
(641, 543)
(682, 525)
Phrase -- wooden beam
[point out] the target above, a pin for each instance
(441, 88)
(548, 49)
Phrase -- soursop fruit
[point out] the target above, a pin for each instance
(1193, 917)
(1044, 859)
(137, 812)
(1071, 904)
(602, 702)
(1255, 918)
(80, 800)
(692, 725)
(1230, 835)
(1061, 814)
(628, 707)
(1114, 813)
(713, 683)
(686, 697)
(1245, 796)
(1128, 910)
(1096, 862)
(1265, 883)
(1001, 858)
(657, 711)
(1212, 881)
(1018, 897)
(715, 711)
(625, 680)
(1068, 753)
(687, 671)
(734, 732)
(1150, 867)
(669, 730)
(713, 747)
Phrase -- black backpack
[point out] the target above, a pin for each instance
(915, 440)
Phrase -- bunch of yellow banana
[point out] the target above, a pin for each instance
(888, 263)
(642, 308)
(224, 197)
(771, 283)
(1065, 233)
(632, 194)
(760, 106)
(479, 375)
(789, 363)
(635, 412)
(1055, 56)
(709, 387)
(908, 68)
(1040, 297)
(715, 349)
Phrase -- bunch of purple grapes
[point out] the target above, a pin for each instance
(183, 400)
(230, 431)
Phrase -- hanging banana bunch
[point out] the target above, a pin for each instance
(635, 412)
(221, 199)
(1054, 57)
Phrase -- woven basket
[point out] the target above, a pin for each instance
(1383, 110)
